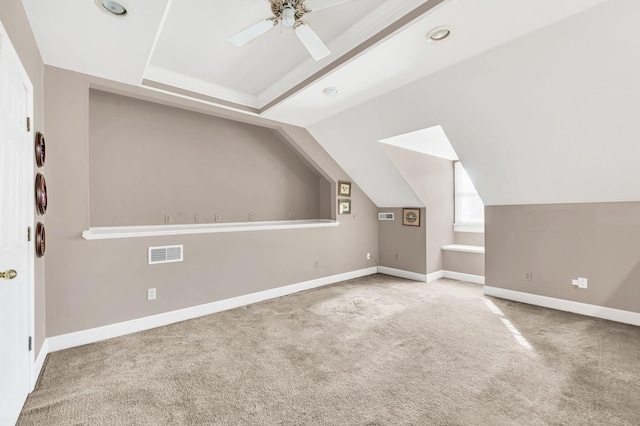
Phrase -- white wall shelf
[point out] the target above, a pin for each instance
(110, 232)
(464, 248)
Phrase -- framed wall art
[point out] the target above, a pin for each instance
(411, 217)
(344, 206)
(41, 193)
(344, 189)
(41, 239)
(40, 149)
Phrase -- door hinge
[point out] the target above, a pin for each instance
(30, 343)
(28, 124)
(29, 234)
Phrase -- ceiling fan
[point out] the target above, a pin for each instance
(290, 13)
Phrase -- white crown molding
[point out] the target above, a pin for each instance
(383, 16)
(92, 335)
(596, 311)
(181, 81)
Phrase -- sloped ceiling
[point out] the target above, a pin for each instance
(537, 97)
(547, 118)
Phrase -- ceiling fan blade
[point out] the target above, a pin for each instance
(314, 5)
(245, 36)
(312, 42)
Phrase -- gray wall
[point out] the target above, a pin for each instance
(466, 263)
(403, 247)
(15, 22)
(560, 242)
(469, 238)
(431, 178)
(147, 160)
(96, 283)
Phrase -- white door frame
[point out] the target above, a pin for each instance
(30, 205)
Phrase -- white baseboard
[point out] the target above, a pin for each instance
(97, 334)
(476, 279)
(596, 311)
(37, 368)
(402, 274)
(435, 276)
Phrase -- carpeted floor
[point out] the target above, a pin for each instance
(372, 351)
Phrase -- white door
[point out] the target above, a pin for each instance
(15, 190)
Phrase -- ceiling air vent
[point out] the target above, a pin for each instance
(165, 254)
(386, 216)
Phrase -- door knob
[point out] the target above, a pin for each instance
(8, 275)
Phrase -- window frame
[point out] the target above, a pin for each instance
(459, 225)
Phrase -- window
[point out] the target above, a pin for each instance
(468, 205)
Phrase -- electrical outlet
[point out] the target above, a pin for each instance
(218, 217)
(528, 276)
(198, 218)
(151, 294)
(167, 218)
(252, 216)
(368, 256)
(582, 282)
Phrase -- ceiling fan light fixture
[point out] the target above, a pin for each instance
(112, 7)
(439, 34)
(288, 16)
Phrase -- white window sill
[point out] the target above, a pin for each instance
(110, 232)
(479, 229)
(464, 248)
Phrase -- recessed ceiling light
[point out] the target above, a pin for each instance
(113, 7)
(439, 33)
(330, 91)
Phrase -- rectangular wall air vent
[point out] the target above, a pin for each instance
(165, 254)
(386, 216)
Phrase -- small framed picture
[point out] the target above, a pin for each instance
(344, 206)
(344, 189)
(411, 217)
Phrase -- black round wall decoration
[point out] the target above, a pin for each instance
(40, 149)
(41, 239)
(41, 193)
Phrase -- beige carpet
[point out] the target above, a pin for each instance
(372, 351)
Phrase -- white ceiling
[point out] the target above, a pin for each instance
(406, 57)
(548, 118)
(192, 50)
(431, 141)
(181, 44)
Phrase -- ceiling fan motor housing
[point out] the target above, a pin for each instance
(288, 11)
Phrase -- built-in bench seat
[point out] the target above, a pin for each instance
(463, 262)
